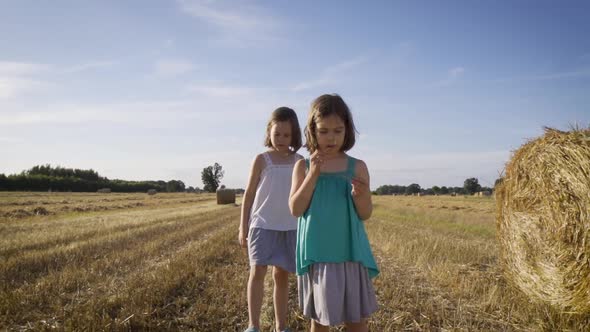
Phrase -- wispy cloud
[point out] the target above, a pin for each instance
(11, 87)
(172, 67)
(136, 113)
(238, 23)
(220, 90)
(452, 75)
(9, 139)
(12, 68)
(89, 66)
(444, 168)
(330, 74)
(577, 73)
(18, 78)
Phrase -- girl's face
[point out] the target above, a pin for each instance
(280, 136)
(330, 132)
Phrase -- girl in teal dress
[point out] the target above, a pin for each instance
(330, 195)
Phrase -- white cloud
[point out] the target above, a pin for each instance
(444, 168)
(10, 68)
(18, 78)
(88, 66)
(167, 68)
(452, 75)
(330, 74)
(7, 139)
(220, 90)
(457, 71)
(239, 24)
(11, 87)
(576, 73)
(156, 114)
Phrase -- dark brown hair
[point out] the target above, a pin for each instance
(321, 107)
(285, 114)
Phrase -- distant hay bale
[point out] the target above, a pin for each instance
(226, 196)
(543, 219)
(104, 190)
(152, 192)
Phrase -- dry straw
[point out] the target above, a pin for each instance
(226, 196)
(543, 219)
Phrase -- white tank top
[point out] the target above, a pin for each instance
(270, 209)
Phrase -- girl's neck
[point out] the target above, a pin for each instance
(280, 153)
(335, 155)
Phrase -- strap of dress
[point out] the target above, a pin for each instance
(350, 168)
(306, 164)
(267, 159)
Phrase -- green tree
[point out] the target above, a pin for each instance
(471, 186)
(414, 188)
(436, 190)
(174, 186)
(211, 177)
(3, 182)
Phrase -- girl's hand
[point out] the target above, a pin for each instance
(316, 161)
(243, 239)
(359, 187)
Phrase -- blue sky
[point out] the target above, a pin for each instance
(158, 90)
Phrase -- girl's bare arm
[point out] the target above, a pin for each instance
(302, 186)
(248, 199)
(361, 191)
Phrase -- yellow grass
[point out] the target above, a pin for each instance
(173, 263)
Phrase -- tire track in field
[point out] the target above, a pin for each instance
(26, 268)
(111, 272)
(409, 300)
(197, 289)
(23, 245)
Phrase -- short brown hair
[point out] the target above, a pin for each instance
(285, 114)
(323, 106)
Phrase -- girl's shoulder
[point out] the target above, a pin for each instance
(297, 156)
(360, 168)
(260, 158)
(258, 163)
(300, 163)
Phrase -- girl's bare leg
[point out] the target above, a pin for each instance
(281, 296)
(357, 327)
(255, 294)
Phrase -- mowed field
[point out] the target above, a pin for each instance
(119, 262)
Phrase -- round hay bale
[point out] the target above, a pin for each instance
(543, 219)
(226, 196)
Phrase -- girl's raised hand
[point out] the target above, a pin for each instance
(359, 187)
(316, 161)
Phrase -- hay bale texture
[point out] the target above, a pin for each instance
(226, 196)
(543, 219)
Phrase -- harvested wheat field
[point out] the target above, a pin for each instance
(120, 262)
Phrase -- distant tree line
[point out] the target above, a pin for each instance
(470, 186)
(46, 177)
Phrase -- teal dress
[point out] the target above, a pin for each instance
(330, 230)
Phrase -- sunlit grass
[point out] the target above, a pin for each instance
(173, 263)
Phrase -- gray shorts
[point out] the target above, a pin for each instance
(269, 247)
(336, 293)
